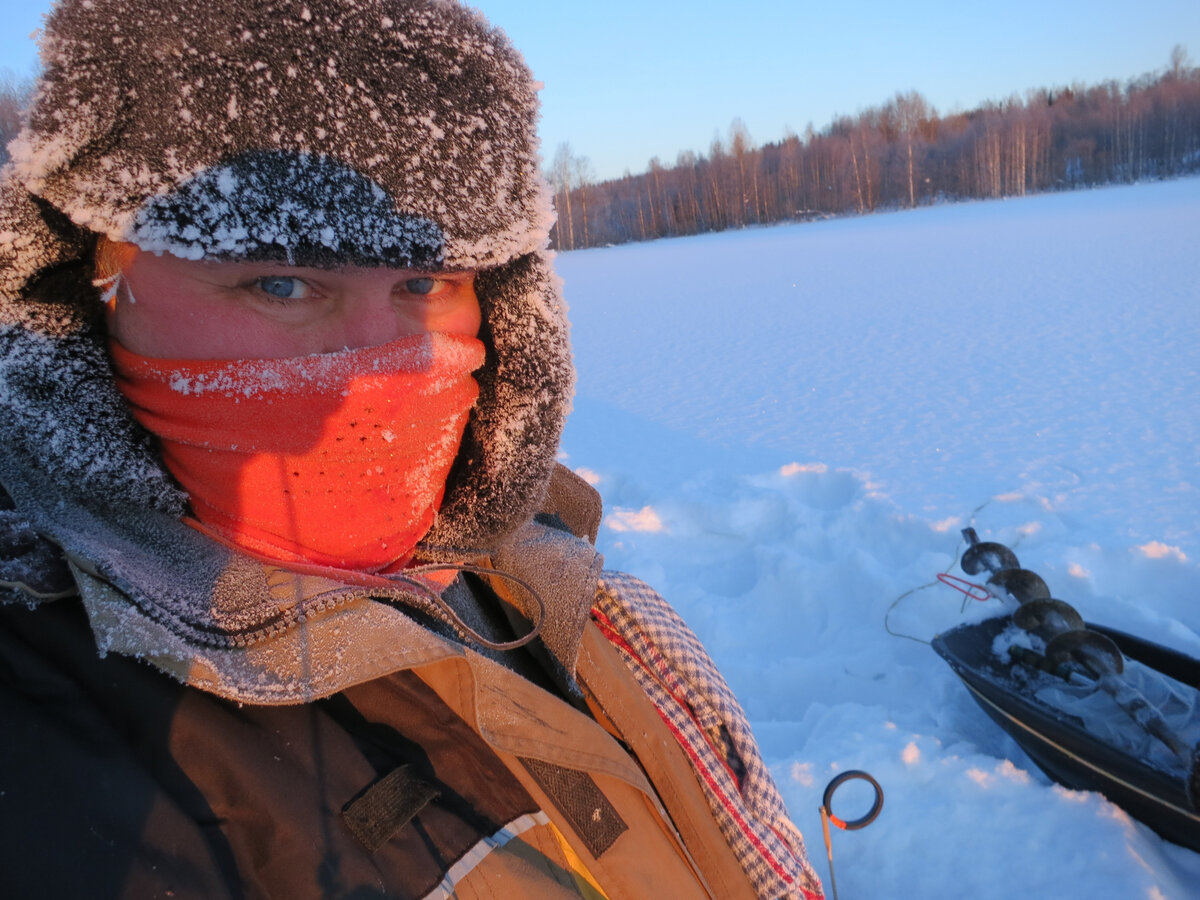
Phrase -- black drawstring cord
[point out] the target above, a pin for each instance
(459, 625)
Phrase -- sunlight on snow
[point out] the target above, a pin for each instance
(802, 773)
(1159, 550)
(796, 468)
(644, 519)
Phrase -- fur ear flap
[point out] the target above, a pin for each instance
(508, 452)
(64, 419)
(61, 411)
(35, 239)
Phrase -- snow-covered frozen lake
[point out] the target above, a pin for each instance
(790, 426)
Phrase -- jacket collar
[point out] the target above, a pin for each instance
(257, 633)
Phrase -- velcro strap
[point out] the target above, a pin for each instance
(387, 806)
(580, 799)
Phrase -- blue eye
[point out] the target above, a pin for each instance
(283, 287)
(420, 285)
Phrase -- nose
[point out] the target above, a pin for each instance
(368, 318)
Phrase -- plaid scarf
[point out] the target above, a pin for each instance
(696, 704)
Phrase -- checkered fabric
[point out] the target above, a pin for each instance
(698, 707)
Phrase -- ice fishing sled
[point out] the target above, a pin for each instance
(1095, 708)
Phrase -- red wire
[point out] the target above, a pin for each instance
(971, 589)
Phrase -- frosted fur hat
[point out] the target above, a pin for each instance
(317, 132)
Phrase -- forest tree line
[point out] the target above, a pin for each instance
(898, 155)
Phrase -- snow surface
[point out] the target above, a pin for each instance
(789, 427)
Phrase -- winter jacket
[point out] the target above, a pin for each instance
(417, 766)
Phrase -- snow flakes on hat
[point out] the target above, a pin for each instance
(421, 97)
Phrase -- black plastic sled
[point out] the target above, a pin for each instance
(1060, 721)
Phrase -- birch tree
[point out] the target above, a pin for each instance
(560, 177)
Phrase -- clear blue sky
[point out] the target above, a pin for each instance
(626, 80)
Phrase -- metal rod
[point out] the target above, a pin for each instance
(829, 850)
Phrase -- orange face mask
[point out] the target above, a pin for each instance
(336, 460)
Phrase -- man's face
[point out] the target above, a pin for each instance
(174, 308)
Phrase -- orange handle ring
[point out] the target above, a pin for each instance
(862, 821)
